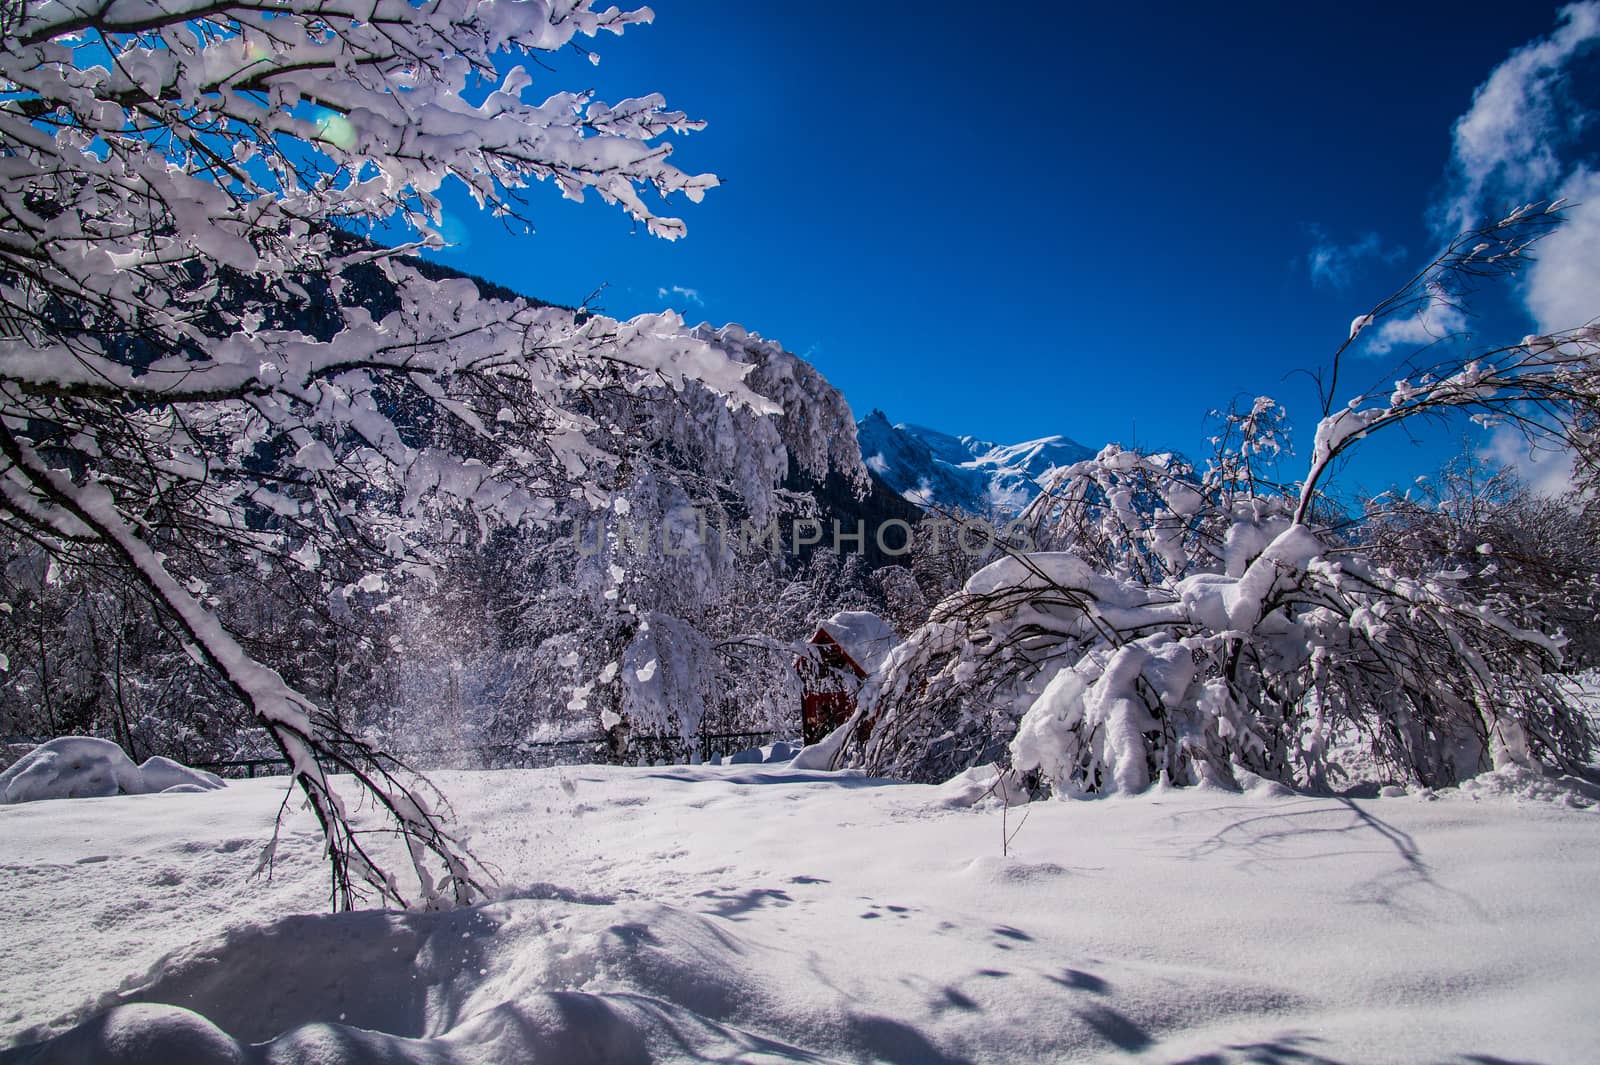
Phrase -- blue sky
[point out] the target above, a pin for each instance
(1092, 221)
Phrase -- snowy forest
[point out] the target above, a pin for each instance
(397, 666)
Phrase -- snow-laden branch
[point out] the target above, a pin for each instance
(200, 361)
(1193, 625)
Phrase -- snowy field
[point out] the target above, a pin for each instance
(761, 914)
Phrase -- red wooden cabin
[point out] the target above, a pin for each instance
(845, 650)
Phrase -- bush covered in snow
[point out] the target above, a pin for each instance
(1534, 558)
(82, 767)
(1195, 625)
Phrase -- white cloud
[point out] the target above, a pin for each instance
(1508, 145)
(1516, 144)
(1546, 470)
(690, 294)
(1436, 319)
(1333, 264)
(1563, 287)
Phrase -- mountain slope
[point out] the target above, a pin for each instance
(946, 472)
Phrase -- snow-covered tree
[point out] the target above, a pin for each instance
(1194, 625)
(84, 655)
(696, 552)
(192, 368)
(1532, 559)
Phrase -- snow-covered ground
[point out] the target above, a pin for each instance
(754, 913)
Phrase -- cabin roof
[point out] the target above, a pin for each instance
(864, 637)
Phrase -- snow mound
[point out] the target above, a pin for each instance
(82, 767)
(1259, 786)
(557, 1028)
(982, 783)
(1528, 785)
(820, 756)
(562, 980)
(163, 774)
(772, 753)
(1004, 870)
(140, 1035)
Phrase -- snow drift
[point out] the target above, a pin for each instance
(82, 767)
(753, 913)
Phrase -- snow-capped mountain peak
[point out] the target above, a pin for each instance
(946, 472)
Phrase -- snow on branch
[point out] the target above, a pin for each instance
(202, 360)
(1209, 626)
